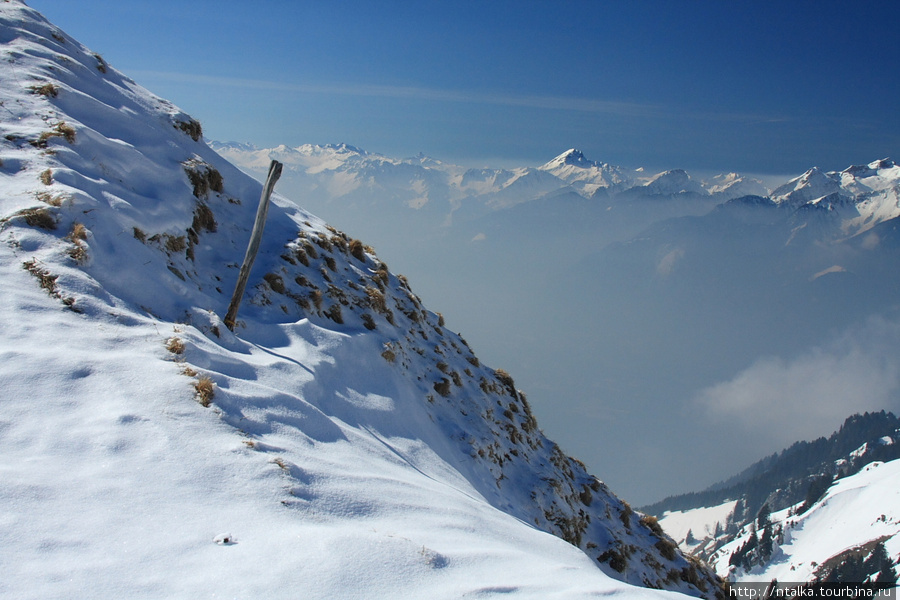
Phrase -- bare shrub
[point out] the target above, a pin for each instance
(381, 276)
(139, 235)
(78, 253)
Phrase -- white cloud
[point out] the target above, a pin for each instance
(783, 401)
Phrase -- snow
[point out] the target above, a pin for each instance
(701, 522)
(864, 195)
(854, 511)
(328, 461)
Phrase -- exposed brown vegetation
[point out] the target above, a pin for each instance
(101, 64)
(203, 178)
(47, 90)
(175, 345)
(191, 127)
(206, 390)
(357, 250)
(42, 218)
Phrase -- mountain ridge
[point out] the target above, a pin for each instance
(767, 522)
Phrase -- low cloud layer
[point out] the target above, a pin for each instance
(807, 396)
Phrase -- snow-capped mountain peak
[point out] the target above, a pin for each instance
(676, 181)
(572, 157)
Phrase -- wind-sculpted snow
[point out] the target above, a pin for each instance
(342, 442)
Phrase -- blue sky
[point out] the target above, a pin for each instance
(759, 87)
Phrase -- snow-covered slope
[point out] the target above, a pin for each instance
(856, 521)
(821, 510)
(342, 442)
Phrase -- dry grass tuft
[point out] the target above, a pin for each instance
(47, 177)
(101, 64)
(41, 218)
(357, 250)
(139, 235)
(204, 219)
(203, 178)
(276, 283)
(334, 313)
(79, 232)
(191, 127)
(78, 252)
(48, 198)
(45, 279)
(206, 390)
(48, 90)
(175, 244)
(175, 345)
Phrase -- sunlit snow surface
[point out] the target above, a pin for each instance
(699, 522)
(855, 510)
(321, 468)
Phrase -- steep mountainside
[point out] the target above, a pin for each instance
(342, 441)
(773, 519)
(850, 534)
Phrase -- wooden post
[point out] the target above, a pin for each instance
(253, 246)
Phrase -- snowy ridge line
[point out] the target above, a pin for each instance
(341, 428)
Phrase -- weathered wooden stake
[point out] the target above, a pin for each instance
(253, 246)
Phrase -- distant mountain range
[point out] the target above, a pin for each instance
(693, 280)
(342, 171)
